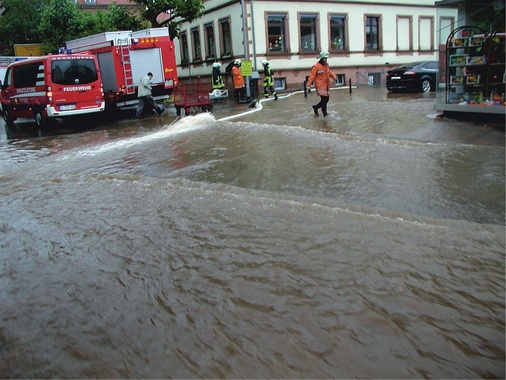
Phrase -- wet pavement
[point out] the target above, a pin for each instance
(259, 244)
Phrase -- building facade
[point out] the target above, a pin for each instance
(364, 38)
(93, 5)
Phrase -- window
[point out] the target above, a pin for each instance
(185, 52)
(7, 78)
(338, 34)
(225, 38)
(73, 71)
(90, 1)
(372, 33)
(26, 75)
(210, 45)
(426, 33)
(279, 83)
(308, 28)
(341, 80)
(197, 53)
(184, 49)
(404, 33)
(446, 25)
(276, 33)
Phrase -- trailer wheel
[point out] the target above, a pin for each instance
(210, 108)
(9, 120)
(187, 111)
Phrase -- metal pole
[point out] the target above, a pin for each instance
(253, 36)
(246, 44)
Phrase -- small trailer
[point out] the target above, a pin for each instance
(125, 57)
(194, 96)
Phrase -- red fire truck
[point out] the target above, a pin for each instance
(124, 57)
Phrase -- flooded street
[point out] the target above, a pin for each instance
(269, 244)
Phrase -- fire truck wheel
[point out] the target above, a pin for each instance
(9, 120)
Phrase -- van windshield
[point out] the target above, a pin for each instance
(73, 71)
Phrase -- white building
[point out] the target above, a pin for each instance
(364, 37)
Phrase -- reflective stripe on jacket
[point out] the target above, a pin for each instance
(269, 77)
(238, 78)
(321, 75)
(217, 79)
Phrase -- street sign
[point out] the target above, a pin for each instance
(247, 68)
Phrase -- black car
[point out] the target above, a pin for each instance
(417, 76)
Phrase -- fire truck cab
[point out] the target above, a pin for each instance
(125, 57)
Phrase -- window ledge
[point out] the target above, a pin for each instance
(309, 53)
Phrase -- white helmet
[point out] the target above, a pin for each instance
(217, 64)
(265, 62)
(324, 54)
(237, 62)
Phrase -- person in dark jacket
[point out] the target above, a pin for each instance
(145, 97)
(217, 79)
(268, 80)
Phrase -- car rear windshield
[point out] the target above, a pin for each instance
(409, 65)
(73, 71)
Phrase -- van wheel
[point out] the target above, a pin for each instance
(41, 123)
(9, 120)
(39, 119)
(8, 132)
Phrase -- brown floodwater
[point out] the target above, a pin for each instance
(264, 244)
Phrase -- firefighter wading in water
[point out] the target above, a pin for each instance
(320, 75)
(268, 80)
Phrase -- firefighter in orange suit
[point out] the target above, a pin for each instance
(320, 75)
(239, 89)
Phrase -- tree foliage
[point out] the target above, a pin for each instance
(119, 18)
(19, 23)
(60, 22)
(171, 13)
(486, 17)
(53, 22)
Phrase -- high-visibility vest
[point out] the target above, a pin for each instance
(269, 77)
(217, 78)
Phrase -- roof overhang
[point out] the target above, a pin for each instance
(443, 3)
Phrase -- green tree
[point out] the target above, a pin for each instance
(171, 13)
(53, 22)
(60, 22)
(19, 23)
(487, 17)
(118, 18)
